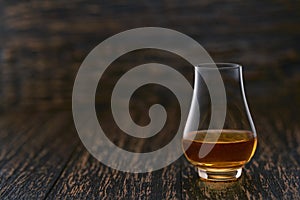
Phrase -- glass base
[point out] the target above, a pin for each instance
(220, 175)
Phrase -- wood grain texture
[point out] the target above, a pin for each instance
(53, 164)
(86, 178)
(37, 162)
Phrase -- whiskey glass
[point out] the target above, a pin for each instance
(227, 149)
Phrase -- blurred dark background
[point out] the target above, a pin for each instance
(44, 42)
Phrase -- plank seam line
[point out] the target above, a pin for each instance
(62, 171)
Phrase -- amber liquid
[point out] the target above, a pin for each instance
(233, 148)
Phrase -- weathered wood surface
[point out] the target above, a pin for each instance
(42, 46)
(33, 158)
(41, 157)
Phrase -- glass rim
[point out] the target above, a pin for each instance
(219, 66)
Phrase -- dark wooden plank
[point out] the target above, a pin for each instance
(16, 130)
(35, 167)
(86, 178)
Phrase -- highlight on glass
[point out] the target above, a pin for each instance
(227, 149)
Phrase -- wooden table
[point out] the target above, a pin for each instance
(42, 157)
(43, 44)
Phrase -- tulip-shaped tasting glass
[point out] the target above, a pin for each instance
(219, 153)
